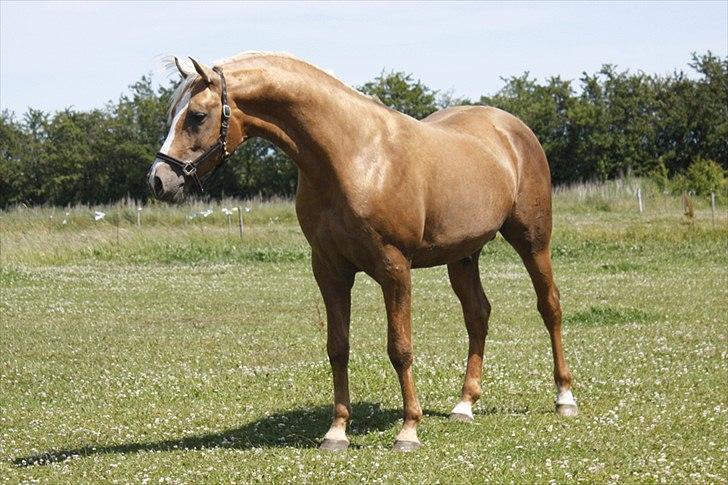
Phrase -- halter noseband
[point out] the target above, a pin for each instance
(189, 169)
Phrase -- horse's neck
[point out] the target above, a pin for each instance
(319, 122)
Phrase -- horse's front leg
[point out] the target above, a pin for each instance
(335, 282)
(395, 279)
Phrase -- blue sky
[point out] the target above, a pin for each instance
(82, 54)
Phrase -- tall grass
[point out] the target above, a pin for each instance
(621, 195)
(183, 233)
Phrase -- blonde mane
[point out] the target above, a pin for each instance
(178, 94)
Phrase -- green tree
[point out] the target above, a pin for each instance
(401, 92)
(17, 149)
(608, 124)
(137, 128)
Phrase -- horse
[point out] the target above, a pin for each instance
(382, 193)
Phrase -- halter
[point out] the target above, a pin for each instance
(189, 169)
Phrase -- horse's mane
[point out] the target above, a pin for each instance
(170, 67)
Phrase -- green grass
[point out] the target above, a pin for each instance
(182, 354)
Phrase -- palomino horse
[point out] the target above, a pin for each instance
(382, 193)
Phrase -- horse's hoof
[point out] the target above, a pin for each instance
(405, 446)
(334, 445)
(567, 410)
(463, 418)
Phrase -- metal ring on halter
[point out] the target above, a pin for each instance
(189, 170)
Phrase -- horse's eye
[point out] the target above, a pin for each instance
(198, 117)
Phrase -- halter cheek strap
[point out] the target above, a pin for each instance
(189, 169)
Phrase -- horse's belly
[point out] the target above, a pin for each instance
(460, 223)
(436, 255)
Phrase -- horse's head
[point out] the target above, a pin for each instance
(197, 142)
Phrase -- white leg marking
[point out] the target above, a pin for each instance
(463, 407)
(336, 433)
(409, 434)
(565, 397)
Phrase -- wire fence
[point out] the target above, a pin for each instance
(231, 218)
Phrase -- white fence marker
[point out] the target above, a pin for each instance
(639, 198)
(240, 221)
(712, 206)
(228, 213)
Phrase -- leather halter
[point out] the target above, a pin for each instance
(189, 169)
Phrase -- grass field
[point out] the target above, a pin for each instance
(176, 353)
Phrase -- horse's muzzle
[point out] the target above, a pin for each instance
(165, 183)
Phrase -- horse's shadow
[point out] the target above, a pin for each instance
(298, 428)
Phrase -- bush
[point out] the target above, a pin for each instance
(702, 177)
(660, 175)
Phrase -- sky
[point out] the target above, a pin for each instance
(55, 55)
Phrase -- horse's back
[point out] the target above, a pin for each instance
(497, 129)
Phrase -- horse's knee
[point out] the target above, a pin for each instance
(400, 354)
(338, 354)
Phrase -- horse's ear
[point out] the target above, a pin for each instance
(203, 71)
(181, 69)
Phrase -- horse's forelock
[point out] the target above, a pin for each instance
(168, 69)
(179, 93)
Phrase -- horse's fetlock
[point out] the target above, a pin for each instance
(413, 414)
(563, 378)
(471, 390)
(342, 412)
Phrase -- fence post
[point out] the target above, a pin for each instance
(229, 222)
(639, 198)
(139, 217)
(712, 206)
(240, 221)
(689, 209)
(118, 217)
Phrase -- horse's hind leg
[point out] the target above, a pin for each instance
(533, 245)
(465, 281)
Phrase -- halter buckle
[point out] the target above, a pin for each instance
(189, 169)
(226, 112)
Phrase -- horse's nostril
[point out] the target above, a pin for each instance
(157, 188)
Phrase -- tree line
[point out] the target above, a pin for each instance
(672, 128)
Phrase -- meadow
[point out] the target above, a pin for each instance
(177, 352)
